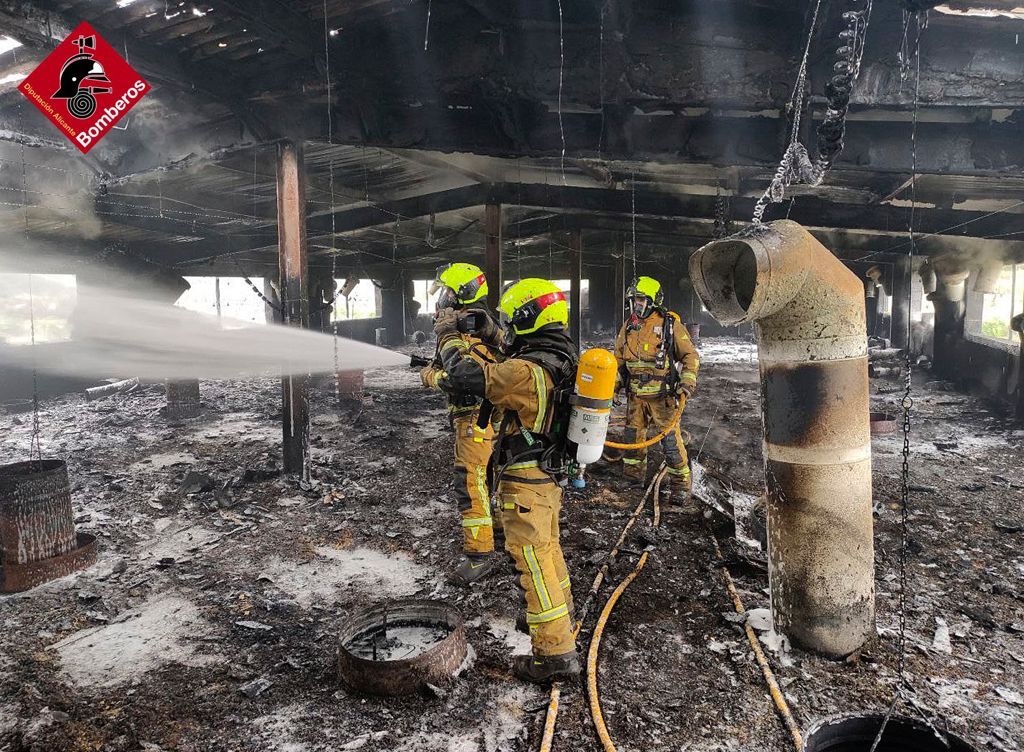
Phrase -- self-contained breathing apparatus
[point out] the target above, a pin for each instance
(663, 359)
(577, 419)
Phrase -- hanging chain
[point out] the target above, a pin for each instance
(908, 401)
(330, 307)
(252, 286)
(722, 224)
(394, 241)
(632, 184)
(35, 451)
(796, 165)
(907, 404)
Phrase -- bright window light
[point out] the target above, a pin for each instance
(363, 303)
(238, 303)
(8, 43)
(48, 303)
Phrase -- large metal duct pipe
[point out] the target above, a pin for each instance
(808, 311)
(952, 284)
(928, 279)
(988, 276)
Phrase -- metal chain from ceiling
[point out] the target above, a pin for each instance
(907, 403)
(796, 165)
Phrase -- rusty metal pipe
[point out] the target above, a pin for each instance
(808, 312)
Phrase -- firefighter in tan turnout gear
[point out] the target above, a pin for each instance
(658, 366)
(463, 288)
(540, 364)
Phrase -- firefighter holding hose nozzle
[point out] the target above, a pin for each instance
(462, 299)
(531, 386)
(658, 366)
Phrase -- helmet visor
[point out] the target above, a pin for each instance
(437, 284)
(640, 305)
(446, 298)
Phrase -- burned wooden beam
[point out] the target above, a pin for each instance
(279, 24)
(294, 285)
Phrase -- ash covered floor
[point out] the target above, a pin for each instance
(209, 621)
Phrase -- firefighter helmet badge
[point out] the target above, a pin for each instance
(81, 78)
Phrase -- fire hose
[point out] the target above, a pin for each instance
(595, 641)
(556, 689)
(593, 652)
(652, 441)
(755, 644)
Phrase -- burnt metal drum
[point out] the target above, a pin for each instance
(38, 542)
(436, 664)
(883, 423)
(183, 399)
(857, 733)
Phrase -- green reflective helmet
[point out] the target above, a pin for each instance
(644, 295)
(460, 284)
(531, 304)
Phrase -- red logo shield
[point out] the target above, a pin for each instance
(84, 87)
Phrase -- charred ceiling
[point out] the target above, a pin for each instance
(675, 108)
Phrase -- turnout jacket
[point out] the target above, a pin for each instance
(647, 362)
(522, 386)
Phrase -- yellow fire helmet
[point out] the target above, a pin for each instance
(462, 284)
(531, 304)
(648, 287)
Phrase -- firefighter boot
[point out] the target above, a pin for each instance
(634, 469)
(473, 568)
(543, 669)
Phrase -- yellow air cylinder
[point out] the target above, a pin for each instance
(592, 404)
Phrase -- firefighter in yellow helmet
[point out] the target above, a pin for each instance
(540, 364)
(658, 366)
(463, 288)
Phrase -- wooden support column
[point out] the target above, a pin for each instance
(620, 281)
(575, 285)
(492, 253)
(294, 286)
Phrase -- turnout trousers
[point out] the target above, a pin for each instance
(530, 507)
(472, 452)
(650, 415)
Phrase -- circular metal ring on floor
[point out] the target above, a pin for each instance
(397, 648)
(883, 423)
(857, 732)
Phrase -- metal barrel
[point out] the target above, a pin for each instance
(435, 665)
(809, 316)
(37, 528)
(350, 385)
(183, 400)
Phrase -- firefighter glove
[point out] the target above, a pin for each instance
(429, 377)
(487, 330)
(446, 323)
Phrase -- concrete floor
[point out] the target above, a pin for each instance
(199, 596)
